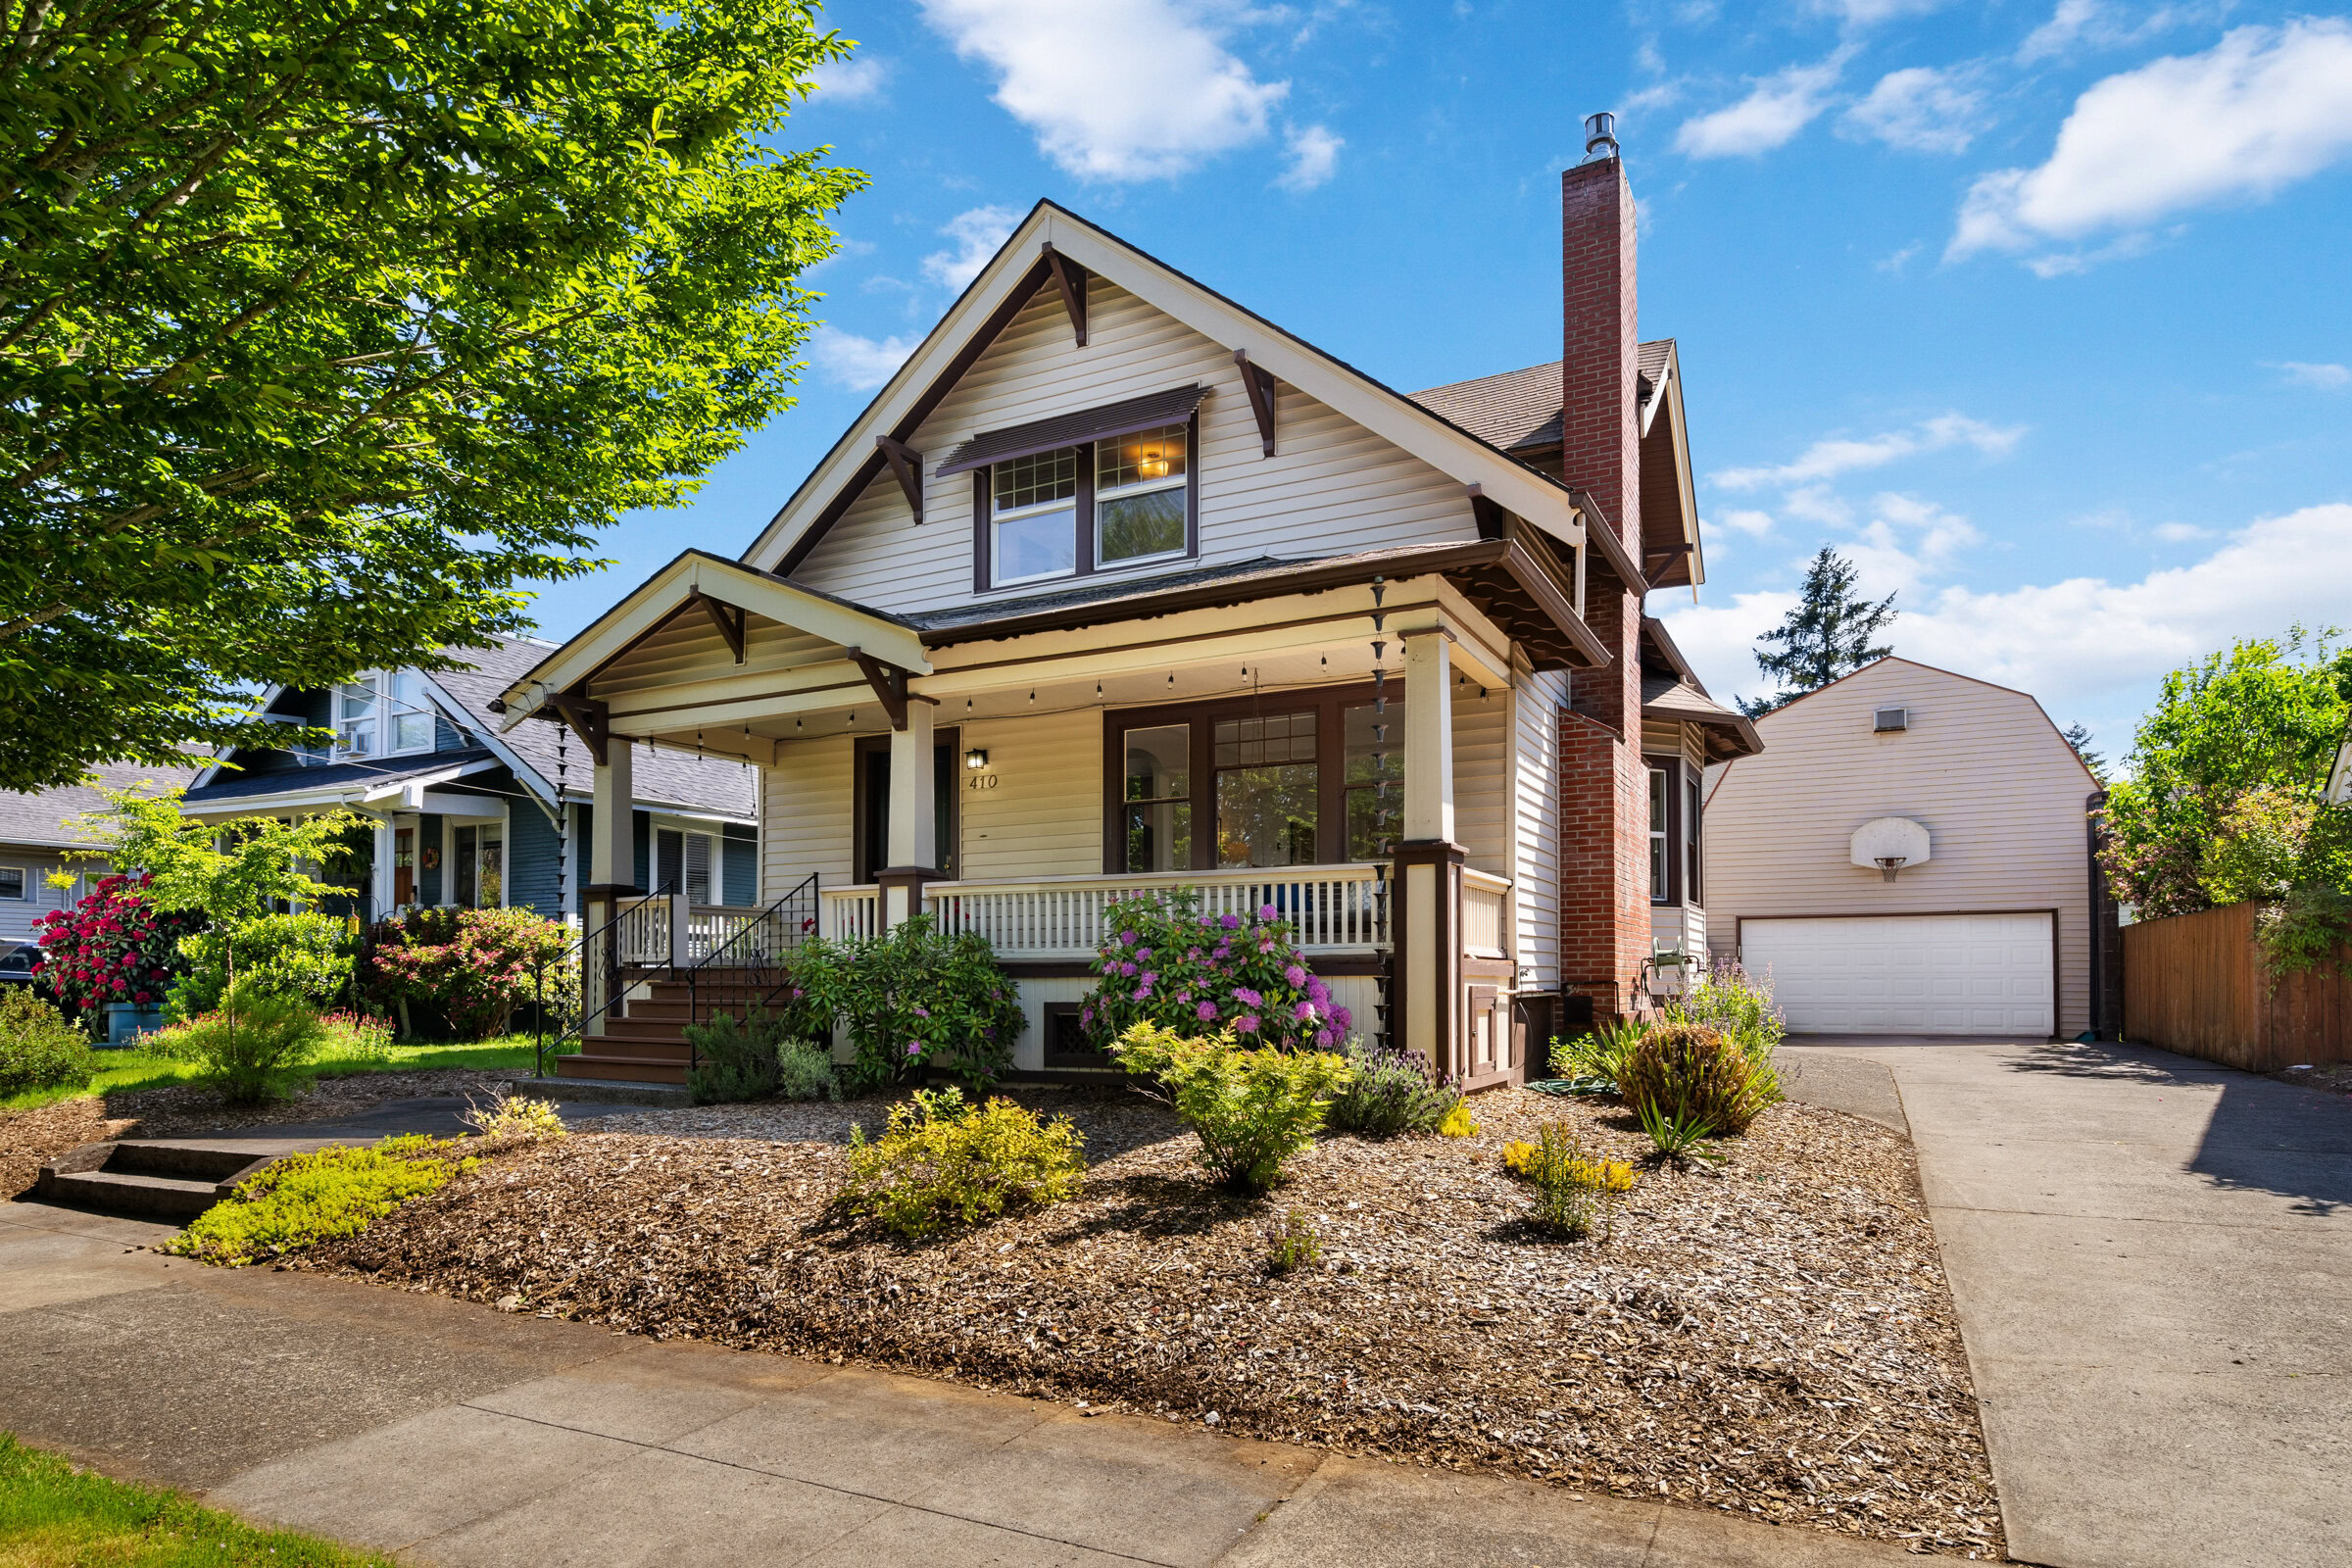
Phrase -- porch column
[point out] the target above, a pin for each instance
(913, 846)
(1426, 990)
(378, 891)
(612, 877)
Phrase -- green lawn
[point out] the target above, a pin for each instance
(50, 1514)
(127, 1070)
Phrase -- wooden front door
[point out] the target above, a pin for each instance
(403, 867)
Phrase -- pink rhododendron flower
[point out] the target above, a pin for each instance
(1247, 1024)
(1206, 1011)
(1295, 975)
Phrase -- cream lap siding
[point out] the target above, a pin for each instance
(1535, 707)
(807, 814)
(1332, 486)
(1482, 778)
(1998, 790)
(1043, 816)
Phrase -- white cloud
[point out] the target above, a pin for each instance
(1113, 89)
(1826, 459)
(1772, 114)
(2262, 108)
(853, 80)
(2087, 640)
(1870, 13)
(1920, 110)
(860, 364)
(1906, 542)
(2101, 24)
(977, 234)
(1314, 155)
(2181, 533)
(1755, 525)
(2323, 377)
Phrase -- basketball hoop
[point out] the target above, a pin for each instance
(1888, 865)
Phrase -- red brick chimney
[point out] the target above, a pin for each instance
(1605, 785)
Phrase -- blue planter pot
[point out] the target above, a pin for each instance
(125, 1021)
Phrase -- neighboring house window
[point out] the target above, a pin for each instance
(383, 716)
(1660, 890)
(1096, 506)
(479, 880)
(682, 862)
(1303, 779)
(12, 883)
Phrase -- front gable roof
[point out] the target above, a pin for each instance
(1052, 236)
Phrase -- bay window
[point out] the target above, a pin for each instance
(1660, 884)
(1675, 788)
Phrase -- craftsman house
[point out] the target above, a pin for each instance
(460, 814)
(1117, 585)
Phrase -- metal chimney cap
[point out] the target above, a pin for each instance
(1601, 132)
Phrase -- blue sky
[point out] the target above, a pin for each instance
(2038, 310)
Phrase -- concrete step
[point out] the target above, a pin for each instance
(129, 1192)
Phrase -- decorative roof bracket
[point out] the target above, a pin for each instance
(1070, 279)
(889, 684)
(907, 465)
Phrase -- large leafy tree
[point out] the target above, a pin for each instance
(1828, 633)
(2221, 802)
(325, 323)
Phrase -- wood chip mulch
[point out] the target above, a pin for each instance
(31, 1139)
(2334, 1078)
(1776, 1339)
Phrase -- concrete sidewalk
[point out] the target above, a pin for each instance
(455, 1435)
(2152, 1261)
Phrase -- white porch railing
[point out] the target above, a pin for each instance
(1332, 909)
(1485, 898)
(668, 930)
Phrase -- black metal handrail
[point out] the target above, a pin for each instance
(577, 954)
(726, 972)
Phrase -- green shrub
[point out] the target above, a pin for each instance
(1292, 1242)
(248, 1044)
(1164, 962)
(1389, 1092)
(1574, 1190)
(1736, 1004)
(306, 956)
(1594, 1061)
(1679, 1135)
(38, 1049)
(512, 1115)
(466, 972)
(806, 1072)
(1252, 1109)
(1687, 1071)
(756, 1059)
(357, 1037)
(944, 1161)
(917, 1000)
(307, 1198)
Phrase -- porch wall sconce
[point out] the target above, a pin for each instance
(975, 759)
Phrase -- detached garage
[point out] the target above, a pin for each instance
(1908, 854)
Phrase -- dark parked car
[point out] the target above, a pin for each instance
(17, 959)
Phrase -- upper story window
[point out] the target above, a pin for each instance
(1091, 507)
(382, 715)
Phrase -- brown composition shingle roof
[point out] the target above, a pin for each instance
(1520, 409)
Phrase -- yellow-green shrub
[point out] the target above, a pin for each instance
(307, 1198)
(944, 1161)
(1694, 1075)
(1254, 1109)
(512, 1115)
(1573, 1188)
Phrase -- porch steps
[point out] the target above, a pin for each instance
(645, 1040)
(170, 1179)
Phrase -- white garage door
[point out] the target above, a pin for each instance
(1911, 974)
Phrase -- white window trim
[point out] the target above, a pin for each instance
(1141, 487)
(25, 886)
(1661, 849)
(382, 682)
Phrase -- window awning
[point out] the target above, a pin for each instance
(1068, 429)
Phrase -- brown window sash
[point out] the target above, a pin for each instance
(984, 554)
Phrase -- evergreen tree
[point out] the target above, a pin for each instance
(2078, 737)
(1826, 635)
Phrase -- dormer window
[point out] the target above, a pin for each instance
(1099, 490)
(382, 715)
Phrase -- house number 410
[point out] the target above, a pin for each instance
(982, 781)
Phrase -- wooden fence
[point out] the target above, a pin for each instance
(2194, 983)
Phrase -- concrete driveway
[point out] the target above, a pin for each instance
(2152, 1261)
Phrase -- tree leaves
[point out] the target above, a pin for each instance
(323, 328)
(1826, 635)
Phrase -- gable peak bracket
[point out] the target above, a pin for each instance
(727, 618)
(1258, 383)
(1070, 279)
(906, 464)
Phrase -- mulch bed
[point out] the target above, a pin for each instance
(31, 1138)
(2335, 1078)
(1776, 1339)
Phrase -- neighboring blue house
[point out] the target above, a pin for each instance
(40, 838)
(463, 816)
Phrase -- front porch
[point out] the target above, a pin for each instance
(1368, 752)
